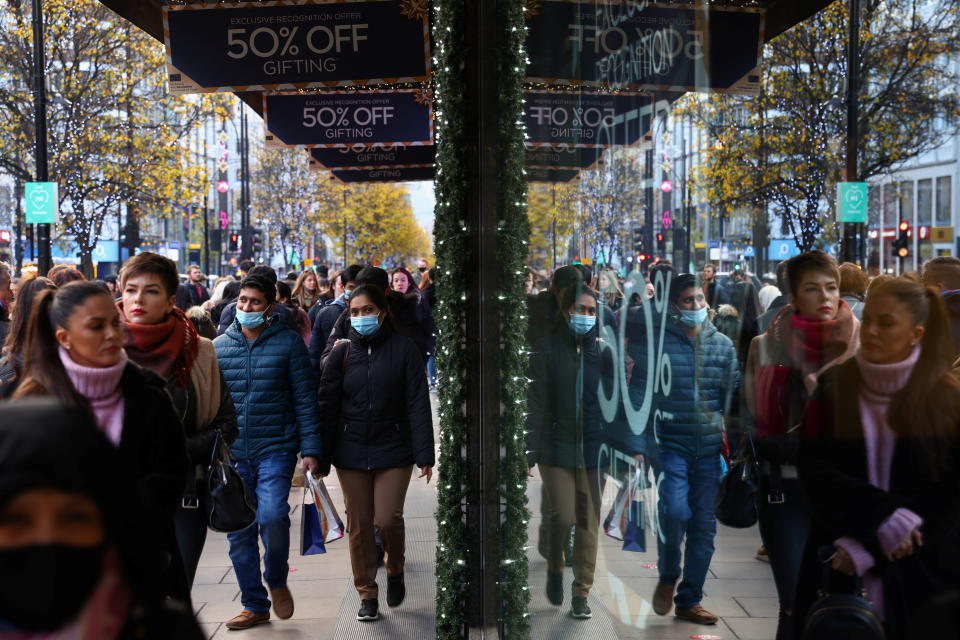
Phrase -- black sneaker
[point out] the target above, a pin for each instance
(555, 588)
(579, 608)
(369, 610)
(396, 590)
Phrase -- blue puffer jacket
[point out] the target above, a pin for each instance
(704, 376)
(274, 390)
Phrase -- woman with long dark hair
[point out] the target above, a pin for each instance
(11, 365)
(880, 459)
(74, 352)
(379, 424)
(159, 337)
(814, 332)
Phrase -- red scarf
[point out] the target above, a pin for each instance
(168, 347)
(808, 345)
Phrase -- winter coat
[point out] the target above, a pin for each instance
(834, 474)
(375, 403)
(765, 319)
(273, 389)
(188, 296)
(565, 425)
(406, 322)
(323, 324)
(229, 314)
(704, 377)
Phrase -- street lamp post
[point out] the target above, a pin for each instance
(853, 232)
(44, 259)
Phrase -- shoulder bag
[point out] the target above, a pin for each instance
(736, 504)
(229, 504)
(841, 616)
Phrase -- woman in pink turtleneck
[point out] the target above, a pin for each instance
(880, 458)
(74, 351)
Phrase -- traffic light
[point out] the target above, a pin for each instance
(256, 241)
(638, 240)
(901, 246)
(233, 242)
(661, 245)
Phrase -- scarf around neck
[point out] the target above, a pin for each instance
(809, 345)
(168, 347)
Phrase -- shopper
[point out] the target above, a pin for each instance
(880, 459)
(378, 423)
(687, 439)
(71, 538)
(159, 337)
(306, 292)
(778, 303)
(327, 317)
(853, 287)
(268, 372)
(74, 352)
(943, 274)
(301, 322)
(192, 293)
(230, 310)
(11, 365)
(610, 289)
(565, 435)
(816, 331)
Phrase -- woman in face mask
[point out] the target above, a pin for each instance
(564, 439)
(814, 332)
(69, 542)
(379, 424)
(74, 352)
(160, 338)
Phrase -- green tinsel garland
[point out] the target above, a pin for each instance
(450, 186)
(450, 247)
(512, 254)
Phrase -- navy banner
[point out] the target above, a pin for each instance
(375, 157)
(385, 175)
(637, 44)
(561, 157)
(348, 118)
(294, 44)
(593, 120)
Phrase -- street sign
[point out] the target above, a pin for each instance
(852, 201)
(41, 202)
(749, 252)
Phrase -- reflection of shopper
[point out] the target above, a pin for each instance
(689, 434)
(880, 459)
(374, 399)
(564, 435)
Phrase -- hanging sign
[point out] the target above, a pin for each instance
(635, 44)
(386, 175)
(592, 120)
(853, 199)
(561, 157)
(41, 203)
(294, 44)
(348, 118)
(551, 175)
(375, 157)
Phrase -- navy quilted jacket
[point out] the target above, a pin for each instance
(704, 376)
(274, 390)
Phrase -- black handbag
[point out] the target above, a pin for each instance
(736, 504)
(842, 616)
(229, 504)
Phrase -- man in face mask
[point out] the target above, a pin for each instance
(684, 440)
(267, 369)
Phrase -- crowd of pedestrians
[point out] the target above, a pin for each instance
(840, 388)
(119, 394)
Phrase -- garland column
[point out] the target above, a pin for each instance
(481, 234)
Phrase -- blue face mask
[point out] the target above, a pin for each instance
(693, 318)
(250, 319)
(582, 324)
(346, 294)
(365, 325)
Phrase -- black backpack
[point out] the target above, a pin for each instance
(842, 616)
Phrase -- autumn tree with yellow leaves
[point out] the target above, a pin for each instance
(114, 135)
(552, 211)
(784, 150)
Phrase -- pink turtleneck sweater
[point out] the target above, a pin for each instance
(101, 387)
(880, 383)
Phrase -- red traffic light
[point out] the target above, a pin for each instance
(659, 237)
(642, 257)
(904, 226)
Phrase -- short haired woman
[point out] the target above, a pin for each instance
(159, 337)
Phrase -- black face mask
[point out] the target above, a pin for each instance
(421, 269)
(45, 586)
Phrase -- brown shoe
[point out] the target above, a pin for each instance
(282, 602)
(697, 614)
(663, 599)
(248, 619)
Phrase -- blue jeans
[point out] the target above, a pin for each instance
(688, 489)
(268, 478)
(432, 370)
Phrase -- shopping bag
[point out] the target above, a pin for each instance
(613, 524)
(311, 532)
(634, 534)
(330, 523)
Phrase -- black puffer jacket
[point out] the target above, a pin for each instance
(375, 404)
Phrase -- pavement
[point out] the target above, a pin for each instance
(739, 588)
